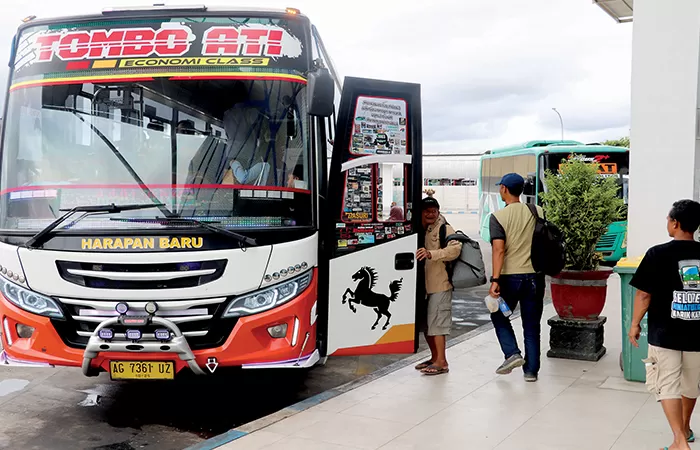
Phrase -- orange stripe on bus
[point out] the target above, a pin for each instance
(108, 64)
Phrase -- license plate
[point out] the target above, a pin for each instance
(142, 370)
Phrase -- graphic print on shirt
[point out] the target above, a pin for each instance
(364, 295)
(686, 303)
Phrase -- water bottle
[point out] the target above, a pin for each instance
(503, 306)
(492, 303)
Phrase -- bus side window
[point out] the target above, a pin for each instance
(485, 179)
(358, 197)
(391, 196)
(529, 190)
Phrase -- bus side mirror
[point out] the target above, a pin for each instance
(321, 93)
(13, 51)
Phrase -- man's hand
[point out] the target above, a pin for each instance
(422, 254)
(634, 333)
(290, 180)
(495, 290)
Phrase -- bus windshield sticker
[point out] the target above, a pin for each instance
(379, 127)
(604, 166)
(607, 169)
(160, 46)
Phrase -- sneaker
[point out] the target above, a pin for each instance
(510, 364)
(530, 377)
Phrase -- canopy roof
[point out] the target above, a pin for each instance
(620, 10)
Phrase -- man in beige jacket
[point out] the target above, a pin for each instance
(437, 286)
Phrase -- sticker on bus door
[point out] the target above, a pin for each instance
(371, 229)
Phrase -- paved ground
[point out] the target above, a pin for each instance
(575, 405)
(61, 409)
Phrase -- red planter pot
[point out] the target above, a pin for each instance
(580, 295)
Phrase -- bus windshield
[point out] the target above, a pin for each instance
(611, 164)
(227, 144)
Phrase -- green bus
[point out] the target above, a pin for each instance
(531, 160)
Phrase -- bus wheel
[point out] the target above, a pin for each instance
(322, 362)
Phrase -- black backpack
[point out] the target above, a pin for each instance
(468, 269)
(548, 251)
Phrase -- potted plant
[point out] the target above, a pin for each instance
(582, 204)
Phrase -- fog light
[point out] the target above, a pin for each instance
(151, 308)
(278, 331)
(133, 335)
(162, 334)
(187, 266)
(24, 331)
(106, 334)
(122, 308)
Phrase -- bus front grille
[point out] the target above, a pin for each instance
(199, 320)
(607, 243)
(174, 275)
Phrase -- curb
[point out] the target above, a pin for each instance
(256, 425)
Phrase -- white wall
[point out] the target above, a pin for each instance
(386, 173)
(456, 198)
(665, 98)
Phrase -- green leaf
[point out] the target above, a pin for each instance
(582, 204)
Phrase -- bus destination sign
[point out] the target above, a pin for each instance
(165, 45)
(604, 166)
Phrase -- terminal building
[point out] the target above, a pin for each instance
(665, 119)
(453, 178)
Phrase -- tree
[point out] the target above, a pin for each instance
(622, 142)
(581, 204)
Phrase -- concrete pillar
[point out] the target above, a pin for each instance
(665, 139)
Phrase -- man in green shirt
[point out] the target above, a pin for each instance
(515, 280)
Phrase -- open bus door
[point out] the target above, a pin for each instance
(370, 244)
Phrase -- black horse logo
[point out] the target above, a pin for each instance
(363, 294)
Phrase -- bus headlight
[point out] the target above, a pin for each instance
(269, 298)
(624, 241)
(29, 301)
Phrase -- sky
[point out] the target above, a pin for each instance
(490, 71)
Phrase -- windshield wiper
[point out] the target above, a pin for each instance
(241, 239)
(127, 166)
(45, 234)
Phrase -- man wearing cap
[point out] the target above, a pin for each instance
(514, 279)
(438, 288)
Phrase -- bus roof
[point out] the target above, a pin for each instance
(554, 147)
(159, 11)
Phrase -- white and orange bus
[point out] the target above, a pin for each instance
(165, 202)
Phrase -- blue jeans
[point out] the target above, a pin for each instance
(528, 290)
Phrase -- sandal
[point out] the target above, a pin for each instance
(424, 364)
(691, 436)
(435, 370)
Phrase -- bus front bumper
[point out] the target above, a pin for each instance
(250, 345)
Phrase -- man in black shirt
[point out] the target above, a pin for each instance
(668, 288)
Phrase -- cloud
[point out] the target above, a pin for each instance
(490, 72)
